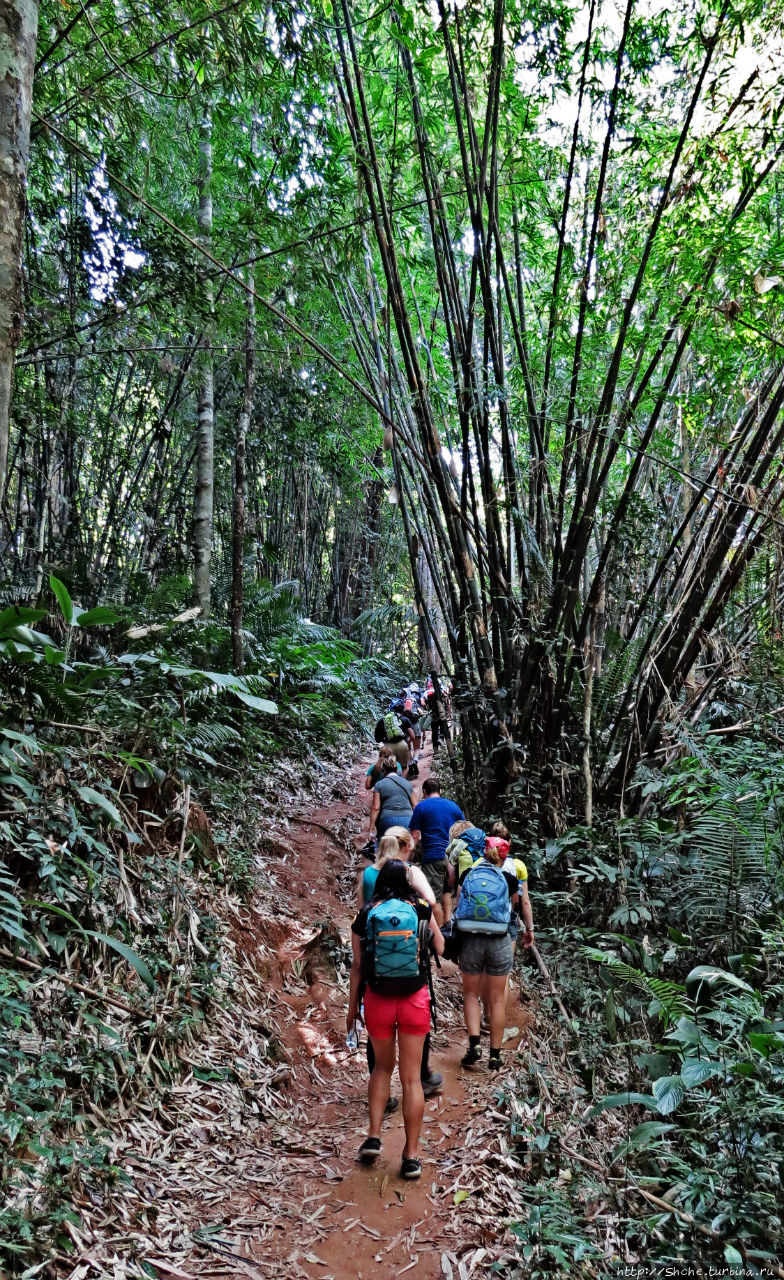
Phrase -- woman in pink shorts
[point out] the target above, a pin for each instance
(396, 1007)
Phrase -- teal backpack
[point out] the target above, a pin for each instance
(485, 905)
(393, 945)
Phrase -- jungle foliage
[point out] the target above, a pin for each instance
(442, 332)
(110, 737)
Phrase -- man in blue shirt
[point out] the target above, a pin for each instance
(430, 823)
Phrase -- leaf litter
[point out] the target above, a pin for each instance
(245, 1165)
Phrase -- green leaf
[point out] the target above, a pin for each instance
(63, 598)
(97, 798)
(18, 780)
(258, 704)
(99, 617)
(668, 1092)
(642, 1135)
(621, 1100)
(460, 1196)
(54, 657)
(56, 911)
(711, 976)
(17, 615)
(32, 744)
(128, 954)
(765, 1042)
(732, 1256)
(696, 1071)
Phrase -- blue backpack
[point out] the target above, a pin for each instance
(474, 840)
(485, 905)
(392, 943)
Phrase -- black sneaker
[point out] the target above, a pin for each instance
(410, 1167)
(471, 1056)
(370, 1150)
(391, 1107)
(432, 1084)
(413, 769)
(495, 1062)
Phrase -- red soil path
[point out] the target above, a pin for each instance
(333, 1217)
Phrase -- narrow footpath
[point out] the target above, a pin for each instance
(247, 1165)
(302, 1204)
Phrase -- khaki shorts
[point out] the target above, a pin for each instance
(400, 752)
(435, 874)
(489, 953)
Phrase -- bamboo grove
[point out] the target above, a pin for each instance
(513, 266)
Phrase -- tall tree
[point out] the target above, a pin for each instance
(238, 509)
(18, 35)
(205, 450)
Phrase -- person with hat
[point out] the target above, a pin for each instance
(501, 840)
(485, 901)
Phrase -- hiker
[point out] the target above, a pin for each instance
(412, 708)
(397, 843)
(439, 709)
(466, 846)
(393, 799)
(429, 825)
(397, 732)
(374, 770)
(390, 940)
(500, 839)
(482, 915)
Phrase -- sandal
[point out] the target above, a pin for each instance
(411, 1167)
(370, 1148)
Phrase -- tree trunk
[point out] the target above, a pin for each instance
(203, 499)
(18, 33)
(238, 505)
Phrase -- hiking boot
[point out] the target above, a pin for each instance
(471, 1056)
(432, 1084)
(494, 1062)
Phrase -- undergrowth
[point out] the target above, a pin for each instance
(129, 783)
(665, 933)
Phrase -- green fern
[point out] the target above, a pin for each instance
(11, 914)
(621, 662)
(211, 736)
(671, 997)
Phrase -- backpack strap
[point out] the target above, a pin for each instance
(424, 952)
(394, 778)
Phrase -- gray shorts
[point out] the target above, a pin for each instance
(435, 874)
(489, 953)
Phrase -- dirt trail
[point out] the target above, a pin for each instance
(299, 1203)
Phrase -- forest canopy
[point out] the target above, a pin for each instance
(348, 340)
(489, 290)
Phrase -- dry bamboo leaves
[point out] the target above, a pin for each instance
(245, 1164)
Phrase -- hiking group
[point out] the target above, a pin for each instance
(438, 886)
